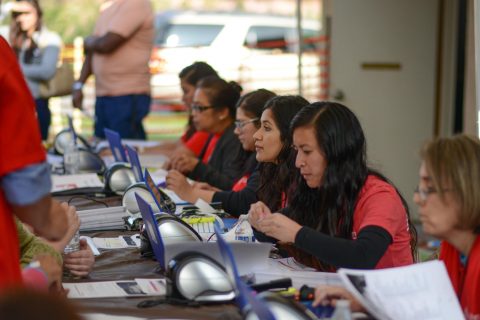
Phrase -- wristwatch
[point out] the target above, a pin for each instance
(77, 85)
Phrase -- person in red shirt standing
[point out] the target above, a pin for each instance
(342, 213)
(24, 174)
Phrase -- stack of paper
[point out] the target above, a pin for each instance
(102, 219)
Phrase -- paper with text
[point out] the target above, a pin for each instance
(75, 181)
(418, 291)
(109, 289)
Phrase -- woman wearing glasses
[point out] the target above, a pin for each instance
(213, 111)
(37, 50)
(237, 201)
(192, 141)
(341, 214)
(449, 208)
(262, 126)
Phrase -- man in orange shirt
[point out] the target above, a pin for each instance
(117, 54)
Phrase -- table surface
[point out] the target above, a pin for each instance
(126, 264)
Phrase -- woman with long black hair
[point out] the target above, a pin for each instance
(342, 213)
(262, 125)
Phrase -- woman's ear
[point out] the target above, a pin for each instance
(222, 114)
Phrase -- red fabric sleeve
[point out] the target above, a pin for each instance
(380, 205)
(197, 141)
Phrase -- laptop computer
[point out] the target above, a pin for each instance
(135, 163)
(243, 295)
(115, 142)
(153, 231)
(164, 203)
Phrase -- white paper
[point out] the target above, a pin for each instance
(300, 274)
(109, 289)
(102, 218)
(74, 181)
(248, 256)
(132, 143)
(418, 291)
(152, 160)
(117, 243)
(204, 207)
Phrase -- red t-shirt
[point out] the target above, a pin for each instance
(20, 146)
(465, 279)
(241, 183)
(196, 142)
(211, 147)
(379, 205)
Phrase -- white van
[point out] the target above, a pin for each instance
(258, 51)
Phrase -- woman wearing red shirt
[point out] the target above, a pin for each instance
(213, 111)
(342, 213)
(449, 208)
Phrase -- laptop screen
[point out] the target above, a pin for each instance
(155, 192)
(116, 146)
(151, 226)
(135, 163)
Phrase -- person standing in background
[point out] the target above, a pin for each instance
(37, 50)
(117, 54)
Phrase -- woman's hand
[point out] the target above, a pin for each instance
(258, 211)
(330, 295)
(80, 262)
(178, 183)
(279, 227)
(204, 186)
(183, 163)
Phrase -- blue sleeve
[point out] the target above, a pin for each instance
(27, 185)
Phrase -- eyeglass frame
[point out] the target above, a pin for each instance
(424, 193)
(200, 108)
(240, 124)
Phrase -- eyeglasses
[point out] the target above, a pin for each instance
(200, 108)
(424, 193)
(240, 124)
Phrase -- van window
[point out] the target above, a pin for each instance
(188, 35)
(267, 38)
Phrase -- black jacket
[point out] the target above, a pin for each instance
(225, 165)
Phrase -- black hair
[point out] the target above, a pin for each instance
(221, 94)
(329, 208)
(252, 104)
(192, 74)
(276, 179)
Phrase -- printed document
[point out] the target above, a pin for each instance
(418, 291)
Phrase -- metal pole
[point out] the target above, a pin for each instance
(299, 46)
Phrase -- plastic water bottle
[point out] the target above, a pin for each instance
(74, 244)
(342, 311)
(71, 158)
